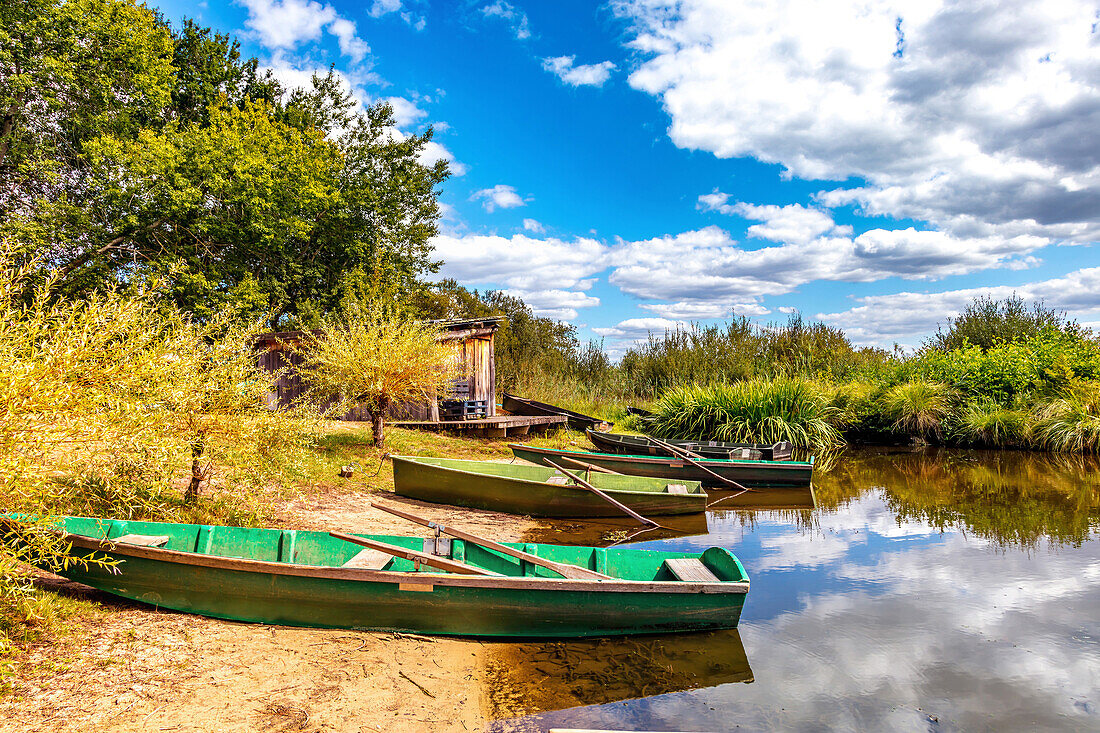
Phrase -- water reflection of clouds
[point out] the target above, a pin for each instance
(861, 623)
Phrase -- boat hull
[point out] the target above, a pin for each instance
(536, 604)
(764, 474)
(577, 421)
(642, 445)
(420, 479)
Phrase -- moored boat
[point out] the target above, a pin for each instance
(308, 578)
(523, 488)
(577, 421)
(643, 445)
(745, 472)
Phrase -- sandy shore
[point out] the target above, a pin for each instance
(138, 669)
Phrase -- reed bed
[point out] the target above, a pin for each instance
(761, 411)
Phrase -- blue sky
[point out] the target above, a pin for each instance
(632, 165)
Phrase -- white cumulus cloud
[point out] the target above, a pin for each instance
(979, 118)
(585, 75)
(558, 304)
(516, 19)
(499, 196)
(283, 24)
(906, 317)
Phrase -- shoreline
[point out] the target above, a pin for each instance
(136, 668)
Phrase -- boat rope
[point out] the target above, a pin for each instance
(380, 462)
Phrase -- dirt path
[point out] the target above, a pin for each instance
(136, 669)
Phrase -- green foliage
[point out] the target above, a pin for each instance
(1046, 363)
(1070, 423)
(986, 323)
(130, 153)
(984, 422)
(764, 411)
(921, 409)
(738, 350)
(373, 360)
(114, 404)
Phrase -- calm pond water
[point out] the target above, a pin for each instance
(929, 590)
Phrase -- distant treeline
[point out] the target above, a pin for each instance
(1004, 373)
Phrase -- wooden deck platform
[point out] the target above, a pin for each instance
(497, 426)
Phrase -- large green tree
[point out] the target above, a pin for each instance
(130, 152)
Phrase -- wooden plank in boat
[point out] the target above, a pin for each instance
(676, 489)
(691, 570)
(368, 559)
(145, 540)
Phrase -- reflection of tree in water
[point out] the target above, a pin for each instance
(594, 672)
(1008, 497)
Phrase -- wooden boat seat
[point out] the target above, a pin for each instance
(146, 540)
(676, 488)
(691, 569)
(369, 559)
(746, 454)
(559, 481)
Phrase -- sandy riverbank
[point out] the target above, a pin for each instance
(138, 669)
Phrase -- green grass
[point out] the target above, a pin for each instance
(984, 422)
(921, 409)
(1068, 424)
(754, 411)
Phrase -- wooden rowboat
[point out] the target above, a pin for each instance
(747, 473)
(522, 488)
(643, 445)
(303, 578)
(577, 421)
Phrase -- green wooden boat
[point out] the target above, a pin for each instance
(303, 578)
(643, 445)
(522, 488)
(747, 473)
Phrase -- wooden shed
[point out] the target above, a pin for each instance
(471, 339)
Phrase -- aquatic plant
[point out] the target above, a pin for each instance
(985, 422)
(1070, 423)
(764, 411)
(919, 408)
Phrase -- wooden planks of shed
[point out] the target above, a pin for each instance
(491, 427)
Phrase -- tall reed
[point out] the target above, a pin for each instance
(752, 411)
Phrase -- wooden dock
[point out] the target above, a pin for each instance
(498, 426)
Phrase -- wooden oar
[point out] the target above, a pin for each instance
(731, 496)
(585, 485)
(416, 557)
(589, 466)
(672, 449)
(566, 570)
(683, 455)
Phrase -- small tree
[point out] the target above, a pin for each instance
(374, 361)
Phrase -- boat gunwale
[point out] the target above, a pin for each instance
(626, 439)
(554, 409)
(778, 465)
(701, 495)
(406, 577)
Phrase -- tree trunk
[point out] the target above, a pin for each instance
(377, 416)
(198, 447)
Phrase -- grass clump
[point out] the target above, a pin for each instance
(1069, 424)
(919, 408)
(986, 423)
(751, 411)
